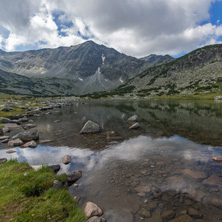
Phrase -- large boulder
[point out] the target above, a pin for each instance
(27, 136)
(90, 127)
(91, 209)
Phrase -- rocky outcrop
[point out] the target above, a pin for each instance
(90, 127)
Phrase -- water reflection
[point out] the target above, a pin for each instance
(133, 174)
(126, 178)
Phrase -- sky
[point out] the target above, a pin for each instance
(134, 27)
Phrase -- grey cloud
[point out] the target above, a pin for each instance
(16, 13)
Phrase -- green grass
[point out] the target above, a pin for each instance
(32, 198)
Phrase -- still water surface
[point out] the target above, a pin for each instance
(163, 168)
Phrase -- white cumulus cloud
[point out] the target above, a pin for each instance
(135, 27)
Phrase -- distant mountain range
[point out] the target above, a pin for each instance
(79, 69)
(89, 68)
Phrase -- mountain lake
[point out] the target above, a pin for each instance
(162, 171)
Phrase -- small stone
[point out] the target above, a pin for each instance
(183, 212)
(26, 174)
(1, 132)
(76, 185)
(16, 142)
(6, 129)
(56, 121)
(96, 219)
(4, 137)
(57, 184)
(66, 159)
(143, 189)
(168, 215)
(55, 168)
(3, 160)
(10, 151)
(90, 127)
(5, 141)
(31, 144)
(217, 159)
(135, 126)
(133, 118)
(91, 209)
(73, 177)
(194, 213)
(29, 126)
(77, 199)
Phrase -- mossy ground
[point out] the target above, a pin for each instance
(32, 198)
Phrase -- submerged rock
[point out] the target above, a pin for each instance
(135, 126)
(133, 118)
(91, 209)
(195, 213)
(3, 160)
(168, 215)
(194, 174)
(183, 218)
(90, 127)
(16, 142)
(27, 136)
(213, 180)
(66, 159)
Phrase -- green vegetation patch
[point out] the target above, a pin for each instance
(32, 198)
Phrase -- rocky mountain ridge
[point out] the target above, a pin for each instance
(80, 69)
(197, 72)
